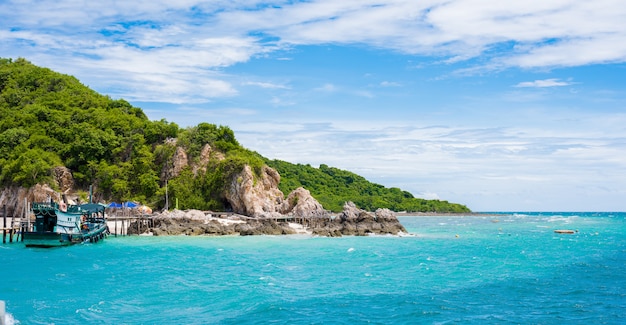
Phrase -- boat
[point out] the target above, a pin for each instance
(565, 231)
(60, 224)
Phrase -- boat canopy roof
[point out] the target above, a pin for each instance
(92, 207)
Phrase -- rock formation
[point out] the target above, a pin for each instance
(194, 222)
(14, 197)
(254, 197)
(64, 179)
(300, 203)
(259, 197)
(351, 222)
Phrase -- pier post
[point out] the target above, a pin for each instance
(27, 217)
(4, 227)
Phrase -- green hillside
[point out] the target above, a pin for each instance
(332, 187)
(48, 120)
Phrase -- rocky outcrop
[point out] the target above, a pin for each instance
(15, 197)
(300, 203)
(194, 223)
(254, 197)
(181, 160)
(178, 163)
(205, 155)
(259, 196)
(64, 179)
(351, 222)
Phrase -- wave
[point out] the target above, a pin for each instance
(9, 320)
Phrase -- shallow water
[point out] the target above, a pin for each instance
(506, 269)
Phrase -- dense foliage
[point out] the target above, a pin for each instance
(49, 120)
(332, 187)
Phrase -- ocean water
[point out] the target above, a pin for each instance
(509, 269)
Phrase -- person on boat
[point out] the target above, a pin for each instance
(63, 206)
(84, 225)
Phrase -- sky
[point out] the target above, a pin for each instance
(498, 105)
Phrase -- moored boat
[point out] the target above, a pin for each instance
(59, 224)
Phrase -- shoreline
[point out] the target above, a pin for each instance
(450, 214)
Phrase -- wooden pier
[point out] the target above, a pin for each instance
(12, 227)
(119, 224)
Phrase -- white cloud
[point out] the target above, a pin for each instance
(266, 85)
(327, 88)
(159, 42)
(390, 84)
(553, 82)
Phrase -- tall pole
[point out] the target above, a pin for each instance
(167, 204)
(4, 228)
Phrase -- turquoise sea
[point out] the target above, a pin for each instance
(509, 269)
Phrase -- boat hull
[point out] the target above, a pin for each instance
(56, 239)
(55, 227)
(46, 239)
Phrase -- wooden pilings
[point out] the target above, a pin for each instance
(11, 229)
(128, 225)
(4, 227)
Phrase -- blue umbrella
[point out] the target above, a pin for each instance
(130, 204)
(115, 205)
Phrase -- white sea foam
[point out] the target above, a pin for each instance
(299, 229)
(9, 320)
(560, 219)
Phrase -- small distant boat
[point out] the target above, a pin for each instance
(565, 231)
(63, 225)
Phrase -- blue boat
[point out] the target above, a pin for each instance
(59, 224)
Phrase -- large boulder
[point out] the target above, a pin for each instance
(300, 203)
(255, 197)
(260, 197)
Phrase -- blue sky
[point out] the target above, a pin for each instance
(499, 105)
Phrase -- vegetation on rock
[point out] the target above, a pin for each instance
(48, 120)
